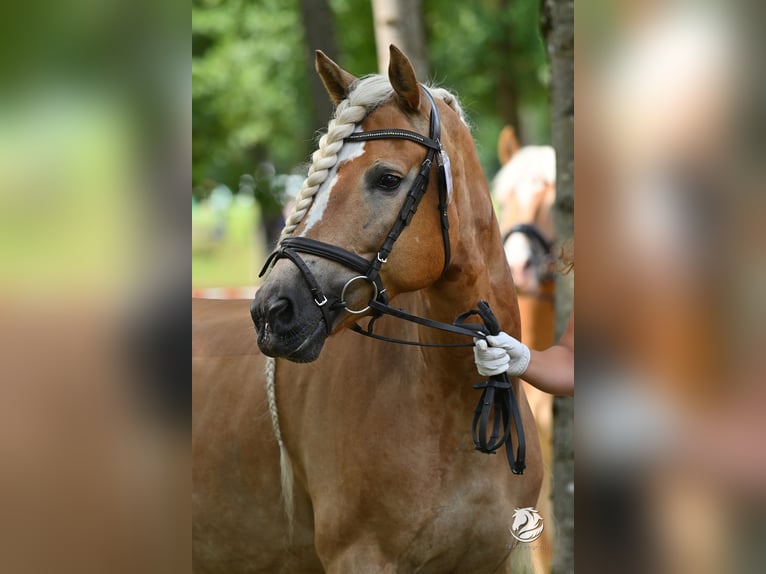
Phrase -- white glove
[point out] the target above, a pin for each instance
(500, 353)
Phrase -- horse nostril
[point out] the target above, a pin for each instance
(281, 313)
(254, 313)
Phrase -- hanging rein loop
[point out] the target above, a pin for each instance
(498, 401)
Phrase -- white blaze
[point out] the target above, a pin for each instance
(349, 151)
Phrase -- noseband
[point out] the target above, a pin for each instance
(544, 268)
(369, 271)
(497, 408)
(531, 232)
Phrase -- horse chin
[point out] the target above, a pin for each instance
(298, 348)
(309, 348)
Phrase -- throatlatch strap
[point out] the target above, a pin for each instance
(443, 209)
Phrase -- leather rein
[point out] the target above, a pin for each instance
(497, 407)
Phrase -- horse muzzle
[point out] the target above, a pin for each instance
(288, 323)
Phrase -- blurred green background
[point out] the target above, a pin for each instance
(255, 124)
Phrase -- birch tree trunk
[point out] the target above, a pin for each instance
(400, 22)
(506, 96)
(558, 31)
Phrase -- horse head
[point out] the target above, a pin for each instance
(337, 250)
(525, 189)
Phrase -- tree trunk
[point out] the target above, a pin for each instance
(400, 22)
(558, 31)
(506, 97)
(319, 28)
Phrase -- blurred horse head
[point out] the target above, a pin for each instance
(525, 189)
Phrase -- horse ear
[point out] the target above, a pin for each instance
(336, 80)
(402, 77)
(507, 144)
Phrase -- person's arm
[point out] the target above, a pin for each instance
(551, 370)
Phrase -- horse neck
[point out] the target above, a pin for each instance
(483, 276)
(478, 271)
(451, 372)
(478, 268)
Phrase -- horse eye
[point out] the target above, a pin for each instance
(388, 181)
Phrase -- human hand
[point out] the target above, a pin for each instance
(499, 354)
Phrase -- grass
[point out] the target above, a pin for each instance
(227, 248)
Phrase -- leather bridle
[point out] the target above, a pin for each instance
(531, 232)
(369, 271)
(497, 407)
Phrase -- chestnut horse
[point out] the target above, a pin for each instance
(525, 189)
(353, 455)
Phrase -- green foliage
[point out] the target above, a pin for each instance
(224, 253)
(251, 93)
(356, 36)
(476, 47)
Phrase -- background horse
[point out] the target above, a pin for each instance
(525, 189)
(367, 442)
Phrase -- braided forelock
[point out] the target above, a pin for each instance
(367, 94)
